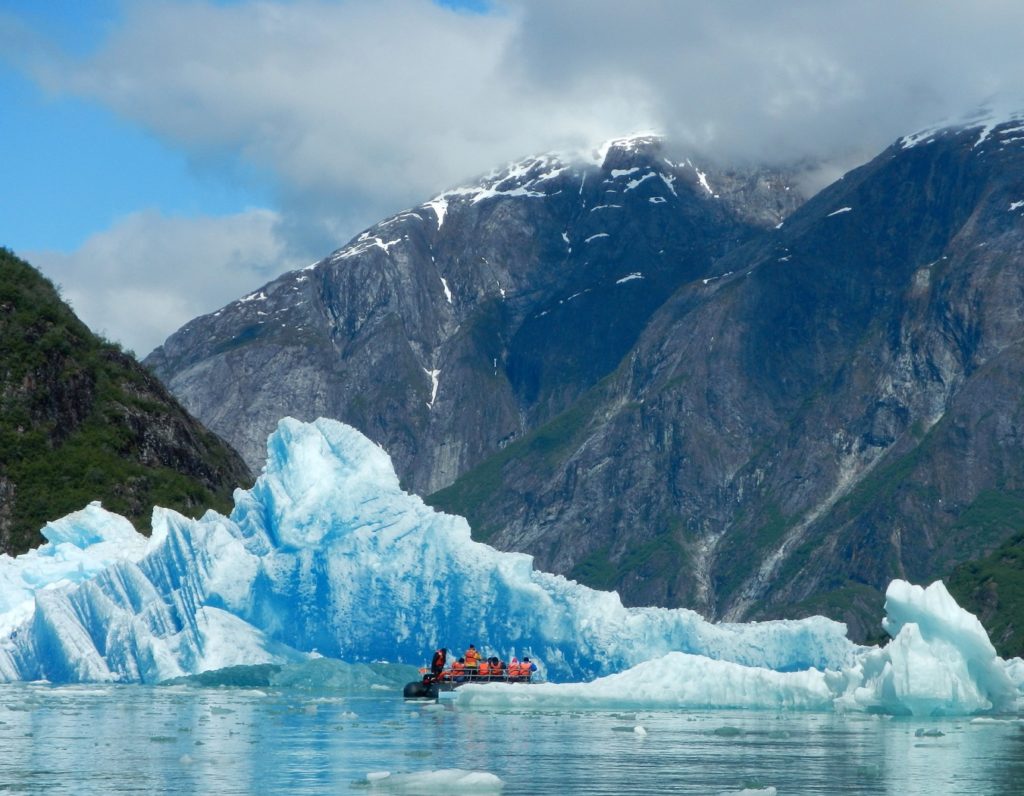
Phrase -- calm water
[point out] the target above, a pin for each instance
(138, 739)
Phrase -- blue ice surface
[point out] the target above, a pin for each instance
(327, 556)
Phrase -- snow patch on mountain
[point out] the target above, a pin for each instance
(440, 206)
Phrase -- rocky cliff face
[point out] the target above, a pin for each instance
(81, 421)
(839, 406)
(450, 330)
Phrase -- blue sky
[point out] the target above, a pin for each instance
(163, 157)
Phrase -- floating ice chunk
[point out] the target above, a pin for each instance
(939, 662)
(448, 779)
(676, 680)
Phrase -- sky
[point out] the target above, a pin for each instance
(161, 158)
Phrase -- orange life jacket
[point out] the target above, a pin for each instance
(485, 669)
(472, 657)
(515, 669)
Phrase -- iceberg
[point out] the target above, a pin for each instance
(326, 555)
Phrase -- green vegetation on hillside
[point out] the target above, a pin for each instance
(81, 420)
(541, 451)
(993, 589)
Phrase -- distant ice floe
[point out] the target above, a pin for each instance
(327, 556)
(441, 780)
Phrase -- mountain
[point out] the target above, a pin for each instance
(80, 420)
(452, 329)
(682, 383)
(838, 407)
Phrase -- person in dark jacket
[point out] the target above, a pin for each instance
(437, 664)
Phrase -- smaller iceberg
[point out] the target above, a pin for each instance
(939, 662)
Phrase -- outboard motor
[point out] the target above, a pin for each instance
(420, 689)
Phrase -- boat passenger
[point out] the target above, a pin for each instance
(483, 671)
(527, 668)
(472, 659)
(458, 672)
(497, 668)
(437, 664)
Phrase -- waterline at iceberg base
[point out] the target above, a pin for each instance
(326, 555)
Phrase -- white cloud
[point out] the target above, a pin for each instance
(149, 274)
(374, 104)
(359, 108)
(370, 105)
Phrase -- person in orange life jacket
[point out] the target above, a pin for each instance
(458, 673)
(527, 668)
(472, 659)
(483, 671)
(497, 668)
(437, 664)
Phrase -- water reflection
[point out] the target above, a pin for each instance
(138, 739)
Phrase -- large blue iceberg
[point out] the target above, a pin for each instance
(326, 555)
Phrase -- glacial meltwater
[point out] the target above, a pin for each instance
(102, 739)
